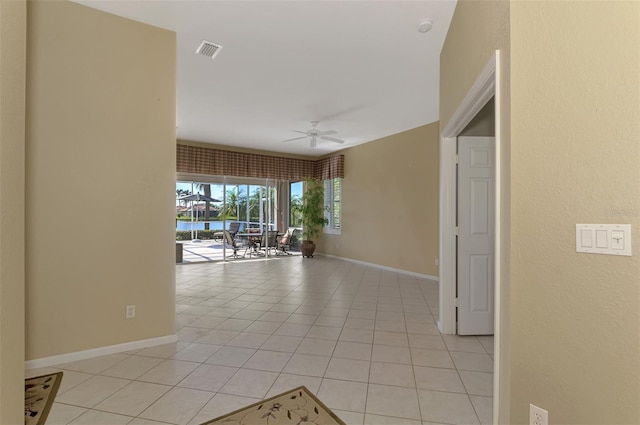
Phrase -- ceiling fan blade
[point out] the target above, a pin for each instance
(326, 133)
(332, 139)
(298, 131)
(295, 138)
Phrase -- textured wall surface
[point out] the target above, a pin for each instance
(13, 32)
(484, 123)
(477, 30)
(100, 179)
(576, 155)
(390, 202)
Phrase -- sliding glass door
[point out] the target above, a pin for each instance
(252, 204)
(205, 205)
(198, 208)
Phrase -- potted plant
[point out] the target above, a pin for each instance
(313, 218)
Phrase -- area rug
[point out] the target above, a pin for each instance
(297, 406)
(39, 393)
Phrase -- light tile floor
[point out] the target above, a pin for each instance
(363, 339)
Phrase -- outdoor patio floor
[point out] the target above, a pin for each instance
(212, 250)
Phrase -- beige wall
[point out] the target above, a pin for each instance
(576, 159)
(13, 27)
(390, 202)
(484, 123)
(477, 30)
(100, 179)
(573, 345)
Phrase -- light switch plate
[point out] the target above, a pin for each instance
(609, 239)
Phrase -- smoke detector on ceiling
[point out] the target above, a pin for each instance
(425, 25)
(208, 49)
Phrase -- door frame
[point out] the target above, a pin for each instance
(486, 86)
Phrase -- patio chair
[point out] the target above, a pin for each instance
(284, 242)
(218, 235)
(269, 241)
(235, 244)
(234, 227)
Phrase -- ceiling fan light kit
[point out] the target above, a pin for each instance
(316, 134)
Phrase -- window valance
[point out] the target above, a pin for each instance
(201, 160)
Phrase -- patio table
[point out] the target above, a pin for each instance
(252, 239)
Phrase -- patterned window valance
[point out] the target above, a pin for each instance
(218, 162)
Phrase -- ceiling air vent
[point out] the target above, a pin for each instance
(208, 49)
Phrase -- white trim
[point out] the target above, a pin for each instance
(480, 93)
(487, 85)
(447, 249)
(378, 266)
(100, 351)
(497, 333)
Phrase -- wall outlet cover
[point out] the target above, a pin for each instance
(538, 416)
(130, 312)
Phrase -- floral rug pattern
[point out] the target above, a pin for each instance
(294, 407)
(39, 393)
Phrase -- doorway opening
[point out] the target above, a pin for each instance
(486, 86)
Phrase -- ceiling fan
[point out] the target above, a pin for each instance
(315, 134)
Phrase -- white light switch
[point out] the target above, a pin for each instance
(586, 236)
(611, 239)
(617, 239)
(601, 239)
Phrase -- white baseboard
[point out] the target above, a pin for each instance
(378, 266)
(100, 351)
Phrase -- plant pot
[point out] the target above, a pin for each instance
(307, 248)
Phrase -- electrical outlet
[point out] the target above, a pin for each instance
(437, 262)
(538, 416)
(131, 312)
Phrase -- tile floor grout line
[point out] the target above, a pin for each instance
(332, 293)
(415, 381)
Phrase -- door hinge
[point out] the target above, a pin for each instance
(457, 231)
(456, 302)
(457, 159)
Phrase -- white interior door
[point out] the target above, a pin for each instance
(476, 199)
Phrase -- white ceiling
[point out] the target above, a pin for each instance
(359, 67)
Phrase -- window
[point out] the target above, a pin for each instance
(332, 197)
(295, 204)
